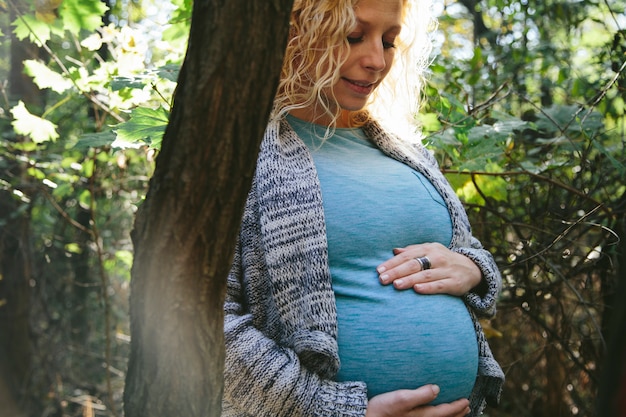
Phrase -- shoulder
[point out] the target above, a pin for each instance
(394, 144)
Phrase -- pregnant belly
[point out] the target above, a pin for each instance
(403, 340)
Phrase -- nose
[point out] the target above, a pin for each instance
(374, 56)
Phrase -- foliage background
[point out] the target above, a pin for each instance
(525, 112)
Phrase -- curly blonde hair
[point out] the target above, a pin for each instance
(318, 46)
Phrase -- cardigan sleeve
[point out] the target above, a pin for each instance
(483, 297)
(263, 377)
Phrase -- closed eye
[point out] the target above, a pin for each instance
(358, 39)
(388, 45)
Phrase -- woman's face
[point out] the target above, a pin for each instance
(372, 49)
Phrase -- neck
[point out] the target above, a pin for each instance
(344, 119)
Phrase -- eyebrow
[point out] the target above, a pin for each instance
(367, 24)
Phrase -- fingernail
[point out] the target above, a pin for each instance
(398, 282)
(435, 389)
(381, 269)
(383, 278)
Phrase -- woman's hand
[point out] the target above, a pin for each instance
(449, 272)
(413, 403)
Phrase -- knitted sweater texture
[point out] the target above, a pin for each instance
(280, 315)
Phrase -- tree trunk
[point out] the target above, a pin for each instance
(186, 230)
(15, 348)
(611, 400)
(15, 261)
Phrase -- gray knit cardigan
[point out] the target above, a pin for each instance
(280, 314)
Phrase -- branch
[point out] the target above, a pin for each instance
(559, 184)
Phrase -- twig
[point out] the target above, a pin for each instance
(63, 213)
(104, 279)
(570, 189)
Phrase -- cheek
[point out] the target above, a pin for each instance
(390, 57)
(389, 60)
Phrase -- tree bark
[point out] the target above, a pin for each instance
(186, 229)
(611, 400)
(15, 347)
(15, 252)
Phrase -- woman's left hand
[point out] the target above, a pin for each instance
(442, 272)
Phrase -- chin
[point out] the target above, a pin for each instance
(353, 106)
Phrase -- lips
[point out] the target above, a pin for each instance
(360, 87)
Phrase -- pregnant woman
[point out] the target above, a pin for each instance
(356, 283)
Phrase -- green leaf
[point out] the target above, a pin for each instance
(82, 14)
(180, 20)
(619, 166)
(95, 140)
(63, 191)
(444, 139)
(38, 129)
(88, 168)
(125, 256)
(73, 248)
(429, 121)
(28, 26)
(617, 105)
(554, 119)
(508, 127)
(145, 125)
(44, 77)
(485, 144)
(492, 186)
(36, 173)
(506, 117)
(592, 122)
(169, 72)
(85, 198)
(119, 83)
(476, 63)
(25, 146)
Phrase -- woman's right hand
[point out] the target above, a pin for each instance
(414, 403)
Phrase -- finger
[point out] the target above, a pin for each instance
(408, 271)
(435, 252)
(405, 265)
(402, 402)
(458, 408)
(430, 276)
(397, 251)
(410, 399)
(457, 278)
(447, 286)
(421, 247)
(401, 255)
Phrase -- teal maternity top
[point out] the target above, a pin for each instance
(388, 338)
